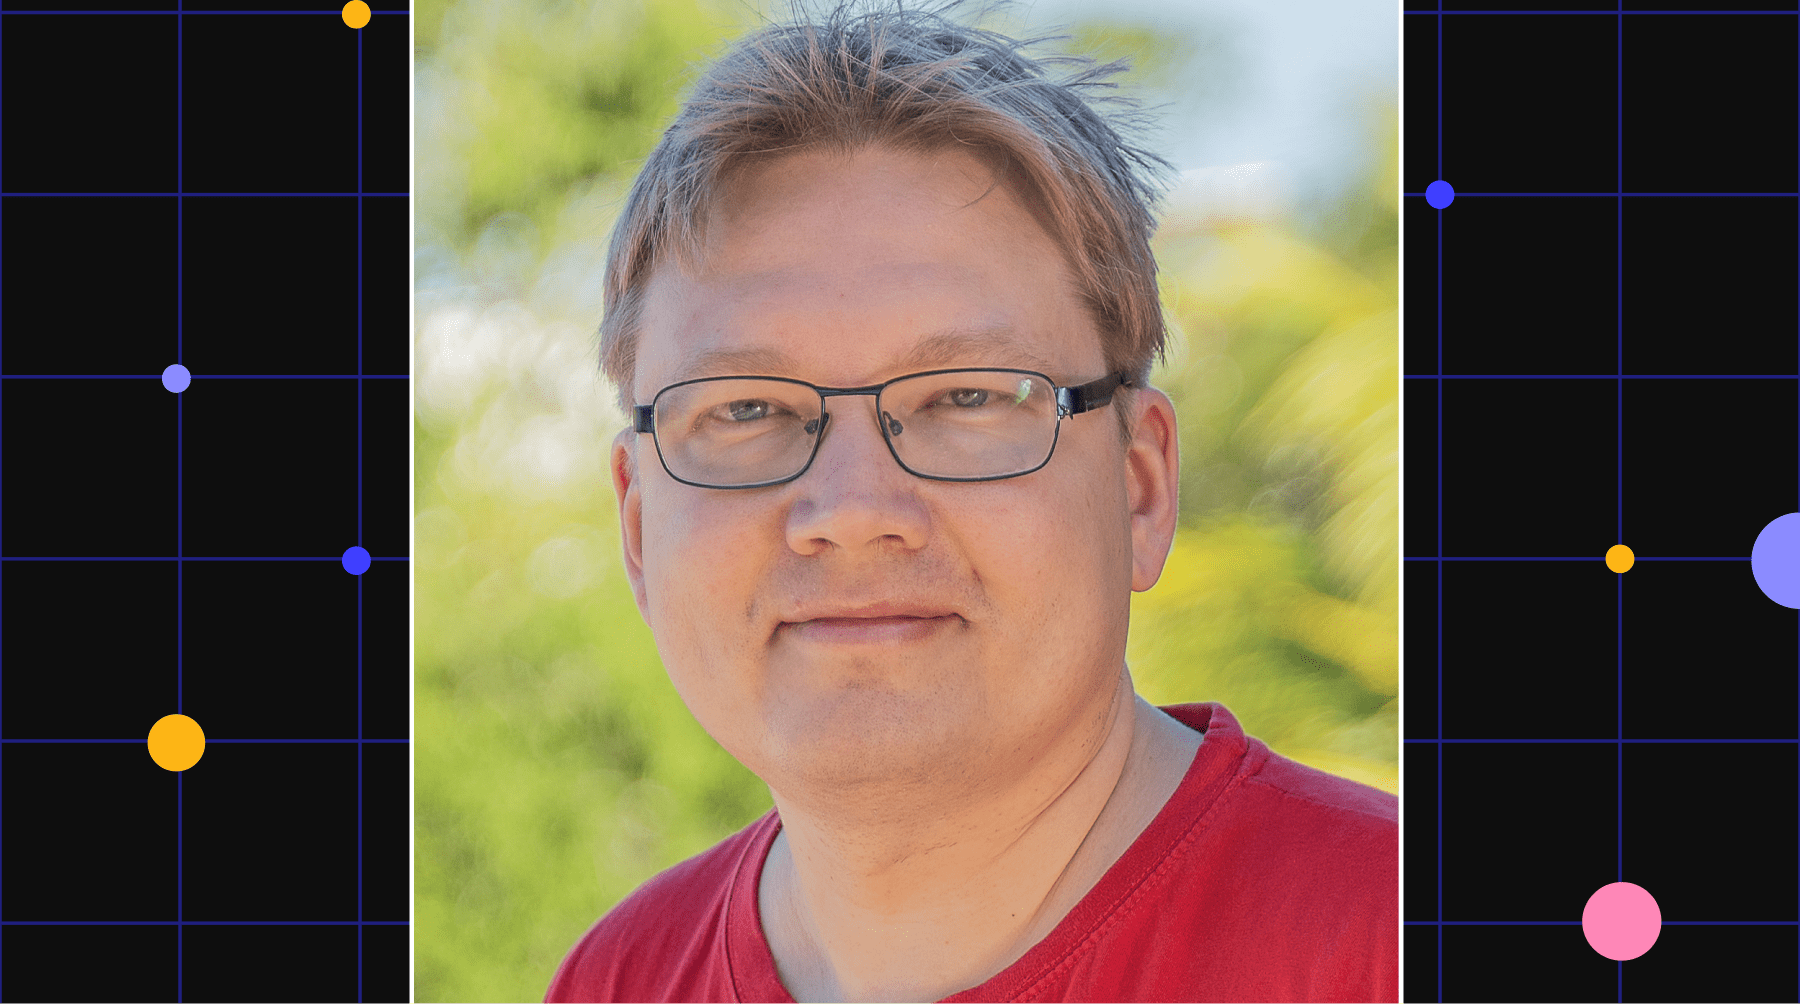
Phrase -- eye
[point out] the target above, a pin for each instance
(747, 410)
(967, 397)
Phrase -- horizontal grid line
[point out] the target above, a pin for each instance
(1608, 13)
(200, 195)
(191, 13)
(1635, 558)
(1577, 923)
(209, 741)
(1435, 742)
(1603, 376)
(205, 376)
(1615, 195)
(205, 923)
(337, 557)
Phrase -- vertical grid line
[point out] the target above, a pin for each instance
(180, 248)
(1440, 509)
(359, 509)
(1797, 373)
(2, 497)
(1619, 431)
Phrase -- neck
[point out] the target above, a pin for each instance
(922, 904)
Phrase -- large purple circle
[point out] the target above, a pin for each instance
(356, 561)
(1439, 194)
(175, 378)
(1775, 560)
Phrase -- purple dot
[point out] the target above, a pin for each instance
(356, 561)
(176, 378)
(1439, 194)
(1775, 560)
(1621, 920)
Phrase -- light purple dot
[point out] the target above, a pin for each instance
(356, 561)
(1775, 560)
(1439, 194)
(176, 378)
(1621, 920)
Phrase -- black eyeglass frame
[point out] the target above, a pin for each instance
(1070, 401)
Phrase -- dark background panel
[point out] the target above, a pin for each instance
(1419, 41)
(88, 103)
(1515, 628)
(1421, 800)
(387, 836)
(1419, 580)
(270, 649)
(57, 963)
(1704, 629)
(89, 285)
(1708, 463)
(1530, 285)
(269, 834)
(267, 963)
(1708, 963)
(269, 104)
(270, 468)
(87, 469)
(1419, 980)
(387, 286)
(1551, 124)
(386, 87)
(269, 286)
(1526, 963)
(1528, 468)
(386, 652)
(387, 963)
(1728, 853)
(1420, 332)
(1709, 103)
(66, 806)
(1709, 285)
(1419, 535)
(89, 648)
(1530, 831)
(386, 467)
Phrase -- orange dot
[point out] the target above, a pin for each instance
(176, 742)
(356, 13)
(1619, 558)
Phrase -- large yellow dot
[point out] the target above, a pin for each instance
(176, 742)
(1619, 558)
(356, 13)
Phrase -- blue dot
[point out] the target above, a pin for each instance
(1775, 560)
(176, 378)
(356, 561)
(1439, 194)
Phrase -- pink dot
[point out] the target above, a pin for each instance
(1621, 920)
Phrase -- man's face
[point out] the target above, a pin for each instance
(834, 268)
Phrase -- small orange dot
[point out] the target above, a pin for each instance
(1619, 558)
(356, 13)
(176, 742)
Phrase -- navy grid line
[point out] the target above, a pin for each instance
(196, 195)
(1797, 466)
(2, 520)
(1440, 507)
(180, 467)
(1577, 923)
(189, 13)
(1529, 558)
(1601, 376)
(202, 923)
(203, 376)
(1619, 430)
(359, 513)
(1618, 11)
(209, 741)
(190, 558)
(1503, 742)
(1628, 195)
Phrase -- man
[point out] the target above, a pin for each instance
(868, 305)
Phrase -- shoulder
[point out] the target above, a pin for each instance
(666, 940)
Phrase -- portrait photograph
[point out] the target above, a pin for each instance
(907, 500)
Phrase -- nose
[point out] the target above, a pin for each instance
(855, 493)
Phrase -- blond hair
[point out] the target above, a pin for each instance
(914, 80)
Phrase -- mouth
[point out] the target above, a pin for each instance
(870, 630)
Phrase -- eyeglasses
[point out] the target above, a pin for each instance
(981, 424)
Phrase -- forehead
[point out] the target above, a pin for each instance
(852, 268)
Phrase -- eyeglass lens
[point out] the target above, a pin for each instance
(967, 424)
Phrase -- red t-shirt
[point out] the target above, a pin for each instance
(1260, 880)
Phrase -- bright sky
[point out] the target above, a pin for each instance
(1301, 68)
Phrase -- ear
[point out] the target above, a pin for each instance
(631, 513)
(1153, 484)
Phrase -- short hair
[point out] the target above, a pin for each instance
(914, 80)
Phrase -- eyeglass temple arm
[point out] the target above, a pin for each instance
(1088, 396)
(644, 417)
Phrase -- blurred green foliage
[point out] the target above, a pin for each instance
(556, 769)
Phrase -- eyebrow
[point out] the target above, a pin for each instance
(990, 345)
